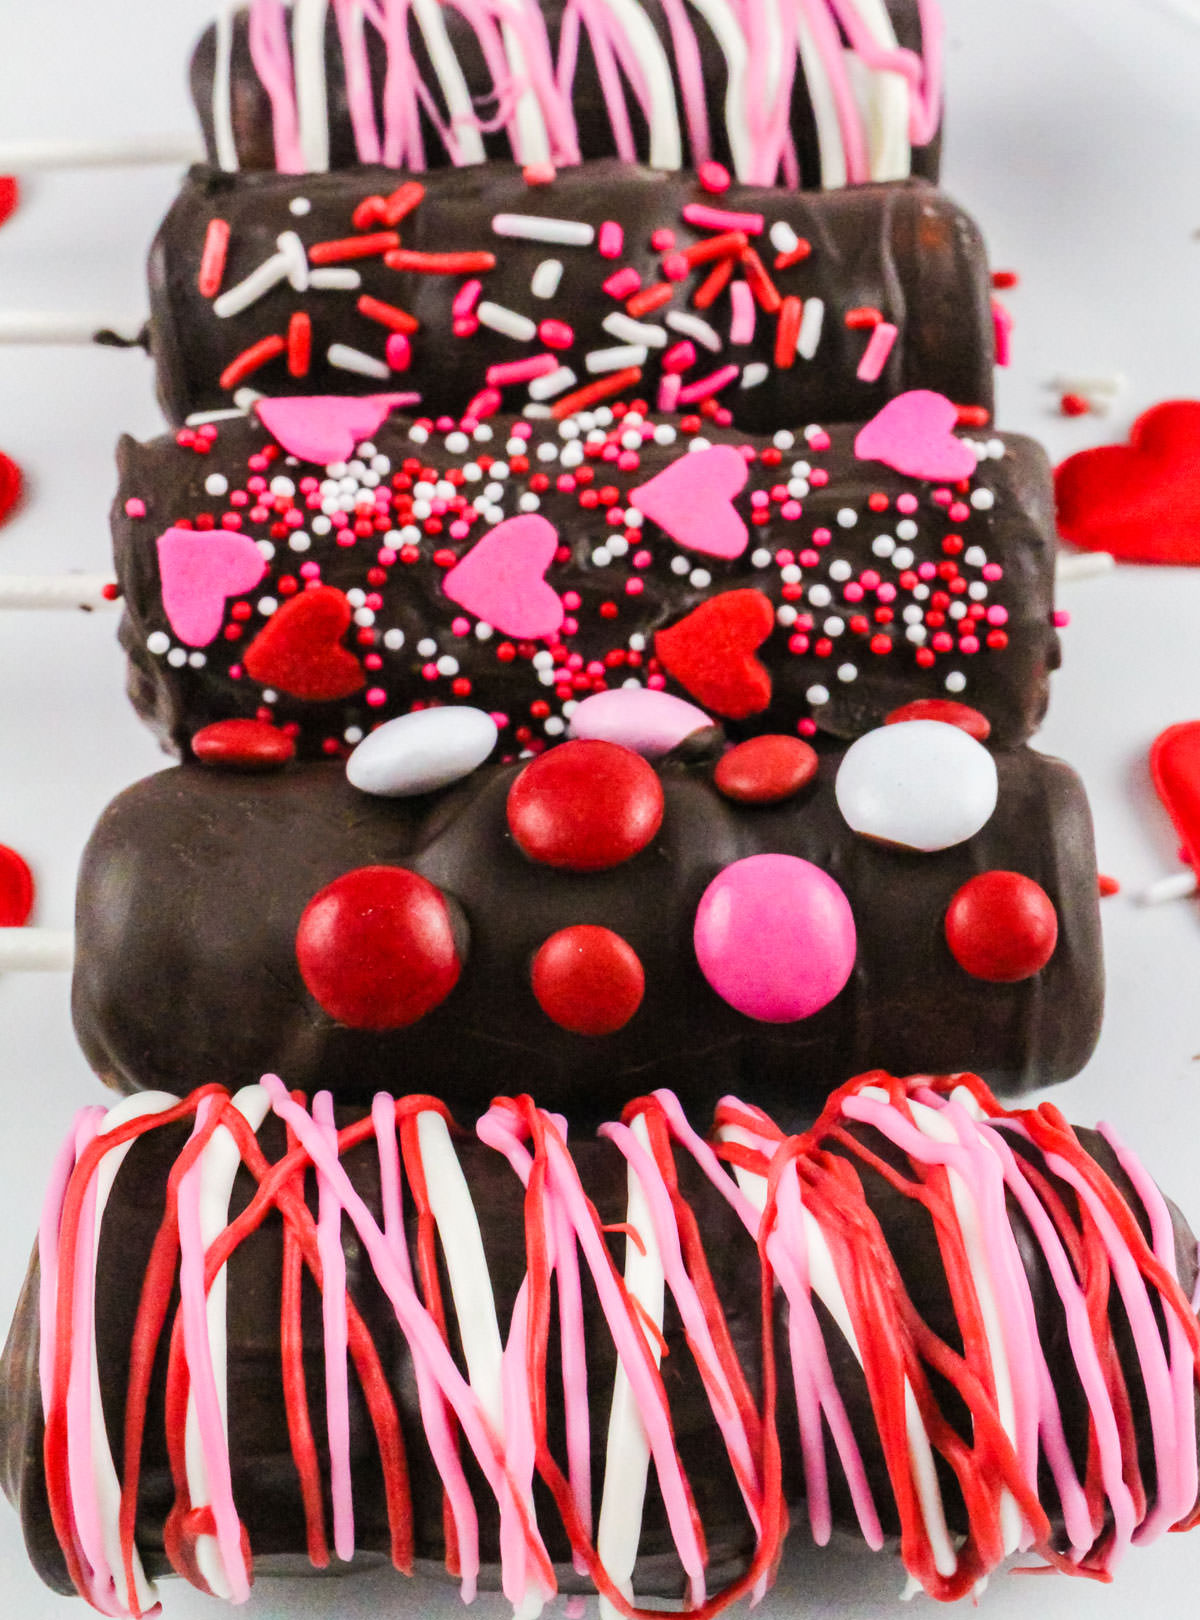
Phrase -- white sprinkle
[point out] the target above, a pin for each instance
(299, 541)
(784, 439)
(783, 237)
(554, 727)
(847, 672)
(457, 443)
(335, 278)
(680, 566)
(365, 617)
(418, 434)
(393, 640)
(618, 546)
(633, 518)
(282, 486)
(352, 735)
(912, 614)
(626, 354)
(245, 399)
(300, 206)
(977, 590)
(847, 517)
(483, 631)
(199, 418)
(665, 433)
(982, 500)
(545, 280)
(820, 595)
(692, 326)
(957, 610)
(902, 557)
(548, 451)
(699, 443)
(157, 642)
(269, 274)
(426, 647)
(321, 525)
(956, 681)
(266, 605)
(269, 695)
(483, 434)
(506, 321)
(791, 574)
(529, 502)
(786, 614)
(975, 556)
(812, 324)
(554, 382)
(266, 548)
(631, 331)
(833, 625)
(601, 557)
(840, 570)
(755, 373)
(348, 359)
(700, 578)
(921, 592)
(883, 545)
(917, 634)
(637, 642)
(997, 449)
(216, 484)
(760, 559)
(177, 658)
(907, 529)
(447, 665)
(817, 695)
(292, 248)
(537, 228)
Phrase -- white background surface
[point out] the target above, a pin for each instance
(1074, 136)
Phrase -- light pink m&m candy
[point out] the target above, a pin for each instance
(775, 937)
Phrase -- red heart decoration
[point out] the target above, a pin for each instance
(10, 486)
(1141, 500)
(1175, 767)
(10, 195)
(711, 653)
(299, 649)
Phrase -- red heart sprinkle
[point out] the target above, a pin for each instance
(1141, 500)
(298, 650)
(711, 653)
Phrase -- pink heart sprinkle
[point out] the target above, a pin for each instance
(914, 435)
(326, 427)
(199, 571)
(692, 501)
(501, 579)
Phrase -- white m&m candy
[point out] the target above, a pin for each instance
(920, 785)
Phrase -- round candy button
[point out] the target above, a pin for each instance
(651, 723)
(243, 745)
(585, 806)
(918, 784)
(775, 937)
(376, 948)
(589, 980)
(1002, 926)
(948, 712)
(765, 770)
(421, 752)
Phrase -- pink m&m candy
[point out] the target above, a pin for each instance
(775, 937)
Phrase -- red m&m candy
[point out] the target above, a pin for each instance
(588, 980)
(585, 806)
(1002, 926)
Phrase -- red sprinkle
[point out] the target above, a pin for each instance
(1074, 405)
(16, 889)
(212, 258)
(401, 202)
(765, 291)
(439, 264)
(391, 315)
(713, 285)
(299, 344)
(728, 244)
(863, 319)
(1107, 885)
(369, 212)
(972, 416)
(787, 331)
(714, 177)
(650, 298)
(353, 247)
(603, 388)
(1003, 280)
(251, 359)
(796, 255)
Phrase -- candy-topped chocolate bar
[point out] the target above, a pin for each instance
(477, 291)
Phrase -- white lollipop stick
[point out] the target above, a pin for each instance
(1177, 887)
(59, 326)
(131, 151)
(1083, 564)
(84, 591)
(36, 950)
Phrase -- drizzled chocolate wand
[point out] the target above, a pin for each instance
(926, 1319)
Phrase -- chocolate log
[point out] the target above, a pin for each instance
(521, 568)
(926, 1319)
(195, 883)
(672, 86)
(782, 307)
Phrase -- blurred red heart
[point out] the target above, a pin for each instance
(1141, 500)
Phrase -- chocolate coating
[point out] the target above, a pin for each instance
(860, 648)
(264, 1478)
(903, 249)
(253, 124)
(194, 882)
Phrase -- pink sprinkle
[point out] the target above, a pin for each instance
(679, 357)
(609, 453)
(386, 556)
(927, 570)
(791, 510)
(398, 351)
(887, 592)
(906, 503)
(807, 728)
(997, 615)
(714, 177)
(941, 497)
(642, 559)
(635, 587)
(959, 512)
(376, 696)
(760, 498)
(484, 404)
(875, 356)
(235, 672)
(992, 571)
(522, 430)
(466, 298)
(721, 219)
(798, 644)
(724, 417)
(1002, 326)
(446, 424)
(623, 282)
(521, 371)
(572, 600)
(556, 335)
(460, 626)
(626, 461)
(1061, 618)
(741, 329)
(539, 174)
(459, 530)
(135, 507)
(969, 644)
(809, 559)
(663, 239)
(675, 267)
(819, 441)
(611, 240)
(706, 387)
(310, 570)
(822, 537)
(784, 557)
(465, 326)
(853, 592)
(668, 391)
